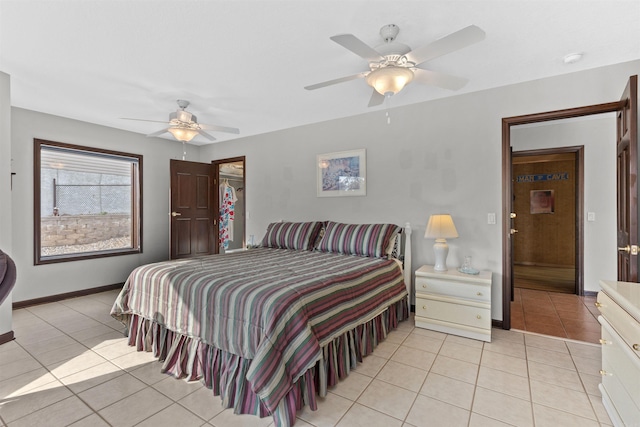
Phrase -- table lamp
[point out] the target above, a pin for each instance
(441, 228)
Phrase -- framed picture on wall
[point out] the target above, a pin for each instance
(542, 201)
(342, 174)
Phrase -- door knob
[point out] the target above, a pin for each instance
(513, 231)
(632, 249)
(175, 214)
(512, 215)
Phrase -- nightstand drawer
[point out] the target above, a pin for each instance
(470, 291)
(452, 312)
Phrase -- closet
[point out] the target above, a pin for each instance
(231, 202)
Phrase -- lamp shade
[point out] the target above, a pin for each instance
(389, 80)
(441, 227)
(183, 134)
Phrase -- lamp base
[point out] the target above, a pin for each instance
(441, 250)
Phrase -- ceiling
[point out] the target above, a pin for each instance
(244, 63)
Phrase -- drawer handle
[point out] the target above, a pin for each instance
(424, 286)
(605, 373)
(479, 294)
(636, 347)
(603, 341)
(479, 317)
(424, 307)
(597, 304)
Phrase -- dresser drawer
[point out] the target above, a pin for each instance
(469, 315)
(620, 374)
(627, 327)
(469, 291)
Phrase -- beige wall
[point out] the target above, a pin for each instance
(36, 281)
(438, 156)
(434, 157)
(5, 190)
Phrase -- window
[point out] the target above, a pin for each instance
(87, 202)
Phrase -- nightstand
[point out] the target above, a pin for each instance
(454, 302)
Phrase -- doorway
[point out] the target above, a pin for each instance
(626, 189)
(508, 228)
(231, 195)
(547, 203)
(207, 207)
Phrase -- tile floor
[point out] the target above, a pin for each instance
(557, 314)
(70, 365)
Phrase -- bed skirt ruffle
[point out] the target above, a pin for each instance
(225, 373)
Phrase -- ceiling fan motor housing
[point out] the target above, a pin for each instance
(183, 117)
(393, 52)
(389, 32)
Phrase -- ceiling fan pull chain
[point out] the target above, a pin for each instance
(387, 102)
(184, 150)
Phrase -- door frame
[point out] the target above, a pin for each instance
(507, 122)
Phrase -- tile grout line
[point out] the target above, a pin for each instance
(77, 395)
(74, 394)
(476, 386)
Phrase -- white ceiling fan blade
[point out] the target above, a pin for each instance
(206, 135)
(442, 80)
(220, 128)
(144, 120)
(357, 46)
(376, 99)
(336, 81)
(160, 132)
(452, 42)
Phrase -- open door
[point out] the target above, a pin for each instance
(512, 217)
(193, 212)
(507, 123)
(627, 183)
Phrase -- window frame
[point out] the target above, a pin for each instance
(136, 208)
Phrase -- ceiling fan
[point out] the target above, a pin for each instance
(393, 65)
(184, 126)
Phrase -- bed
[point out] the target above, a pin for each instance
(271, 328)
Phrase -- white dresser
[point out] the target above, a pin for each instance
(619, 305)
(454, 302)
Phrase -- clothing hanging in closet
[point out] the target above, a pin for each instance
(227, 207)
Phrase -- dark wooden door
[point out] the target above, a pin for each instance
(512, 223)
(193, 213)
(627, 183)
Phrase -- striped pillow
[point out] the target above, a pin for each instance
(292, 235)
(370, 240)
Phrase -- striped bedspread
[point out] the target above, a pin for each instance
(276, 307)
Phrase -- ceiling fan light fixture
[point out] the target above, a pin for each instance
(183, 134)
(389, 80)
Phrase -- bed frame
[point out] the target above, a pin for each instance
(192, 359)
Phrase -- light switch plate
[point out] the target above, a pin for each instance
(491, 218)
(591, 216)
